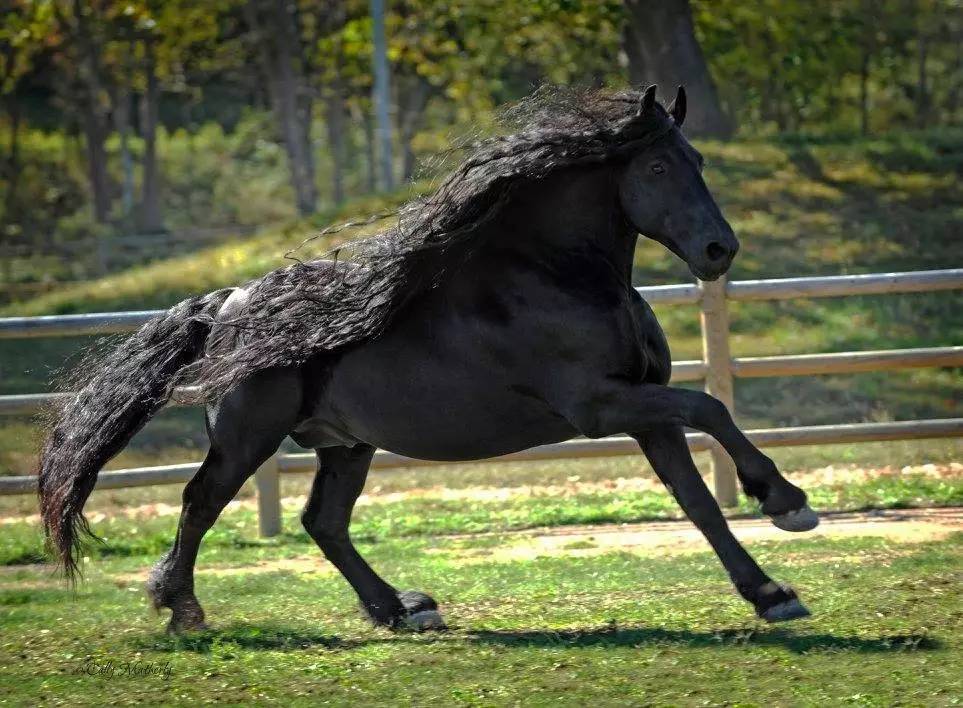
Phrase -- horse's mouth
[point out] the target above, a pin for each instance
(706, 275)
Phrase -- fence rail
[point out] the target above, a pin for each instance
(616, 446)
(717, 367)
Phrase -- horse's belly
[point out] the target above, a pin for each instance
(429, 409)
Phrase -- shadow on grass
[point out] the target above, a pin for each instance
(646, 636)
(255, 638)
(251, 638)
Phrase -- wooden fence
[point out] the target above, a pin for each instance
(717, 368)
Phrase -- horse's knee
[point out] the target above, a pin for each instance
(327, 533)
(709, 408)
(701, 509)
(705, 518)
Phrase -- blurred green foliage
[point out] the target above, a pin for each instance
(825, 68)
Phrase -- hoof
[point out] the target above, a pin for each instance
(414, 611)
(786, 611)
(804, 519)
(421, 612)
(185, 626)
(425, 621)
(776, 602)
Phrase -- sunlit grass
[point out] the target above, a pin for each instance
(564, 501)
(575, 630)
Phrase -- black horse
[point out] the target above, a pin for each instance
(498, 315)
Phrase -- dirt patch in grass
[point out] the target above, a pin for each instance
(571, 486)
(673, 538)
(307, 565)
(648, 539)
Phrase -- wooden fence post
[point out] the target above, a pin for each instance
(101, 254)
(267, 479)
(715, 351)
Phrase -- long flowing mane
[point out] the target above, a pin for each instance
(321, 306)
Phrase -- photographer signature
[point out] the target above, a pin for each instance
(124, 669)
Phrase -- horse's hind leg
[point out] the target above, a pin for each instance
(669, 455)
(341, 476)
(245, 429)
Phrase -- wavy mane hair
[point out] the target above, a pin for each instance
(322, 306)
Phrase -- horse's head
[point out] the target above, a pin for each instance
(665, 198)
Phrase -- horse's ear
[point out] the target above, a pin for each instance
(677, 109)
(648, 100)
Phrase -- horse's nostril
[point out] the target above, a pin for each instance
(716, 251)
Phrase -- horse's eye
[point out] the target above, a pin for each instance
(657, 168)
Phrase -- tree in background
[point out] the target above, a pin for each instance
(330, 62)
(276, 32)
(662, 48)
(237, 112)
(835, 65)
(24, 31)
(467, 56)
(83, 32)
(151, 217)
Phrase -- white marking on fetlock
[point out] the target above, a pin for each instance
(785, 611)
(425, 620)
(804, 519)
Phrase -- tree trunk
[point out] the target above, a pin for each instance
(122, 126)
(381, 93)
(660, 42)
(364, 118)
(864, 95)
(151, 215)
(953, 95)
(335, 119)
(95, 135)
(280, 50)
(868, 50)
(411, 110)
(10, 205)
(93, 119)
(922, 83)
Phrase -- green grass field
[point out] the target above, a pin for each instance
(611, 628)
(587, 623)
(435, 510)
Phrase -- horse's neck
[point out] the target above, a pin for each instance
(574, 212)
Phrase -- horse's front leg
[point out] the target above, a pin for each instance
(618, 408)
(669, 455)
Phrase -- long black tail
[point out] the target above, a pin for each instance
(124, 391)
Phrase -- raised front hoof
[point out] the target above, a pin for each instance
(786, 611)
(804, 519)
(779, 603)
